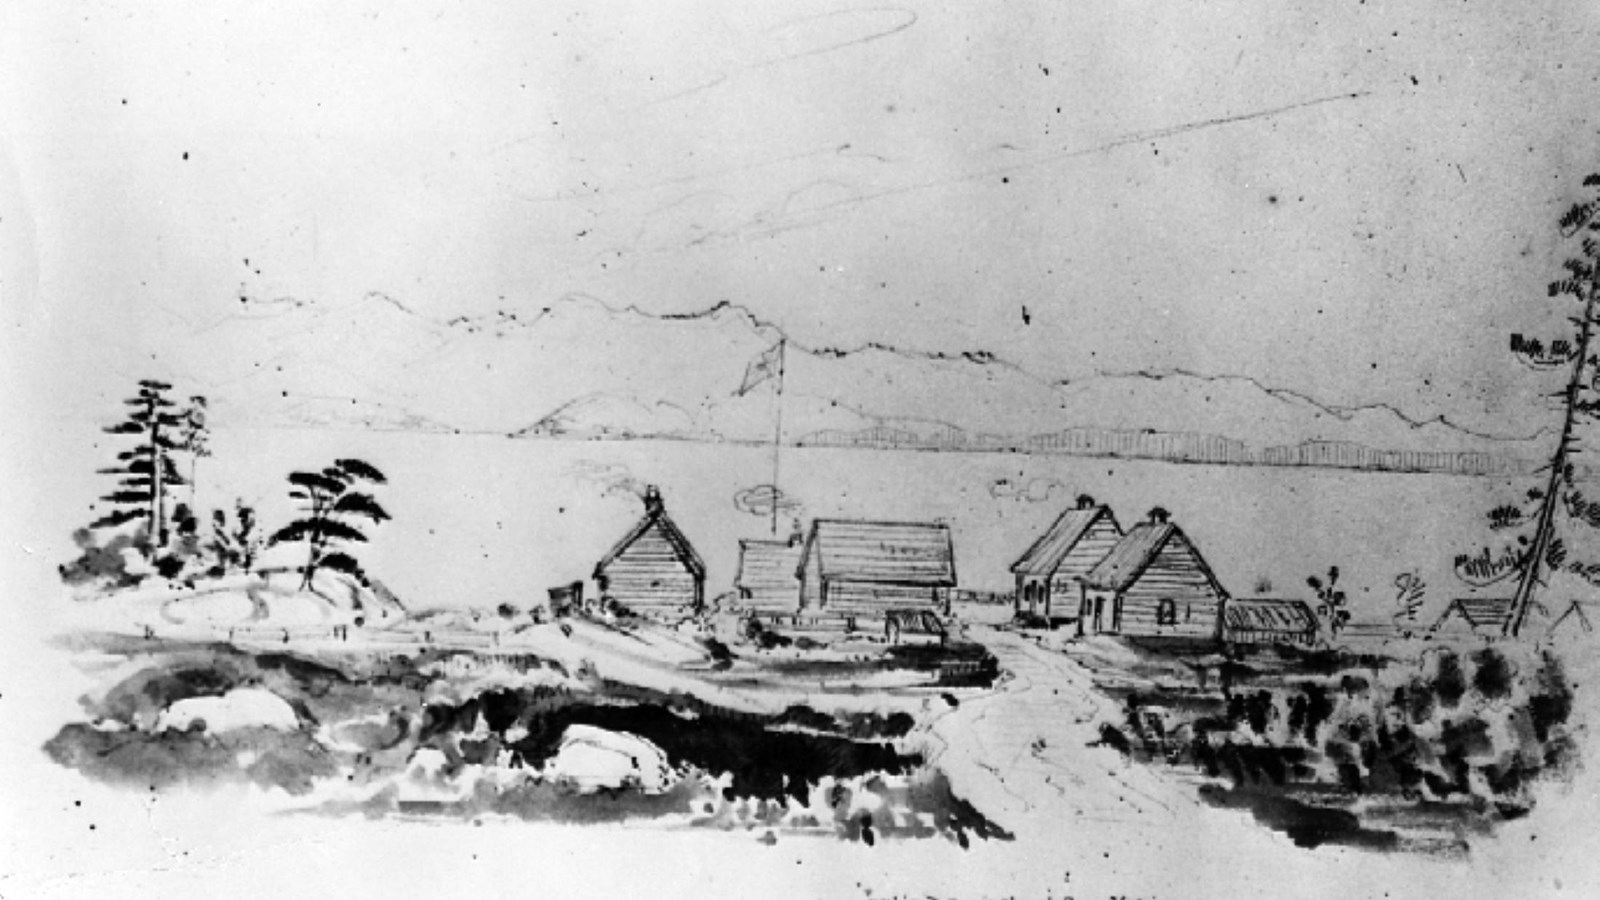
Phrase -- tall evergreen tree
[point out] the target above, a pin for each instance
(334, 502)
(146, 472)
(196, 437)
(1561, 506)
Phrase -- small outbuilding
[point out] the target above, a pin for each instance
(913, 626)
(1479, 615)
(860, 570)
(1053, 566)
(654, 570)
(1577, 618)
(1259, 620)
(768, 583)
(1153, 583)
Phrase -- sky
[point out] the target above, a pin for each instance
(1343, 199)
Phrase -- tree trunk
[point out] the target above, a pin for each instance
(158, 521)
(1558, 465)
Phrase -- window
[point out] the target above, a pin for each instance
(1167, 612)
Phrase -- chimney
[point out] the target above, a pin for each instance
(652, 500)
(1085, 501)
(1159, 516)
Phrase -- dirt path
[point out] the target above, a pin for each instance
(1024, 751)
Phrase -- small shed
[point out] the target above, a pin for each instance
(1051, 568)
(1259, 620)
(566, 599)
(1153, 583)
(862, 569)
(768, 582)
(1577, 618)
(915, 626)
(654, 570)
(1479, 615)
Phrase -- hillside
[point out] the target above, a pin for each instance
(580, 368)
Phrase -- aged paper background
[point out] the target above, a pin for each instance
(1344, 200)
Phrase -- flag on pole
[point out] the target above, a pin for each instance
(765, 367)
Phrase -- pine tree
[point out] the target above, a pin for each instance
(1561, 506)
(196, 437)
(334, 500)
(147, 474)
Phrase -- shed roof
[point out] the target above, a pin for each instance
(918, 553)
(656, 515)
(1134, 553)
(1264, 614)
(1044, 557)
(1479, 611)
(768, 564)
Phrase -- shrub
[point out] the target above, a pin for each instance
(1478, 729)
(103, 565)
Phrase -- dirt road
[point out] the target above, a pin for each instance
(1024, 752)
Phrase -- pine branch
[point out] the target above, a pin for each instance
(343, 562)
(362, 470)
(298, 530)
(356, 503)
(333, 529)
(117, 517)
(317, 483)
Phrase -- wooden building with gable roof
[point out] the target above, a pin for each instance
(654, 570)
(768, 583)
(859, 570)
(1053, 566)
(1153, 583)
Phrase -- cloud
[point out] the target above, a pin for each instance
(1034, 490)
(759, 501)
(614, 479)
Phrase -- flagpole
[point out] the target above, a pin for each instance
(777, 437)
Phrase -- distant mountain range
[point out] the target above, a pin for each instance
(581, 369)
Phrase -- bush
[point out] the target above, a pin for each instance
(1476, 729)
(104, 565)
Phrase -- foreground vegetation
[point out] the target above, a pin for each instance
(1364, 750)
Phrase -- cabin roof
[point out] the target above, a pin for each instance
(768, 564)
(1264, 614)
(1133, 554)
(1044, 557)
(918, 553)
(669, 530)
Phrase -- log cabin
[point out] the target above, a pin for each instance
(859, 571)
(654, 570)
(768, 583)
(1153, 583)
(1053, 567)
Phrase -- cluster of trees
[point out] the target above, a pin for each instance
(150, 528)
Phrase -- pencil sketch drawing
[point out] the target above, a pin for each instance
(1068, 450)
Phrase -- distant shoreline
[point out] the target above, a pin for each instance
(1471, 464)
